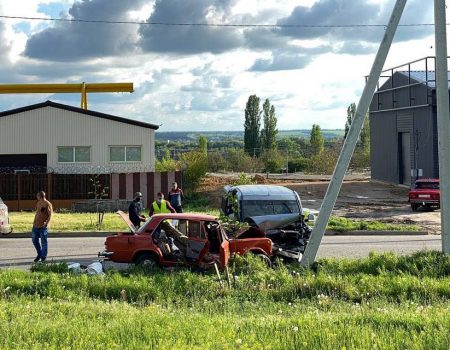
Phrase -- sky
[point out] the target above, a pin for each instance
(192, 78)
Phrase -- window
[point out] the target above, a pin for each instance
(74, 154)
(125, 153)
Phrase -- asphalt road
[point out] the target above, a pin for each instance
(19, 252)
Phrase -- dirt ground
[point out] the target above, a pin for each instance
(359, 198)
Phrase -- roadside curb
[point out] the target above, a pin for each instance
(376, 233)
(327, 233)
(61, 234)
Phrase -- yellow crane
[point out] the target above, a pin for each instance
(82, 88)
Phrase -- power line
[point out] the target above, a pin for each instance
(238, 25)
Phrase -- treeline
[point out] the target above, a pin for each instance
(262, 150)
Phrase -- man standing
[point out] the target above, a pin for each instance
(134, 210)
(42, 219)
(160, 205)
(175, 197)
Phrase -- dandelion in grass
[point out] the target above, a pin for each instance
(239, 341)
(295, 329)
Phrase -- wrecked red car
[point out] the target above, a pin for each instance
(181, 239)
(426, 194)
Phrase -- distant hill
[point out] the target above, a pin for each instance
(224, 135)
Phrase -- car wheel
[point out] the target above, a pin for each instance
(146, 260)
(414, 206)
(265, 259)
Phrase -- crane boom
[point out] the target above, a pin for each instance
(82, 88)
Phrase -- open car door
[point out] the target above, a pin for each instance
(224, 250)
(127, 220)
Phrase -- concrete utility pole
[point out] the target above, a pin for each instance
(443, 119)
(352, 137)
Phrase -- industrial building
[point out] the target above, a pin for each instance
(403, 125)
(57, 138)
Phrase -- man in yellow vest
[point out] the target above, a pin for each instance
(160, 205)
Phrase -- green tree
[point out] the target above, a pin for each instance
(268, 138)
(252, 125)
(316, 140)
(194, 165)
(364, 137)
(203, 144)
(351, 111)
(167, 163)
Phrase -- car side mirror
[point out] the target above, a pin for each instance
(311, 217)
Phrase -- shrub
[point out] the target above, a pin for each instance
(194, 165)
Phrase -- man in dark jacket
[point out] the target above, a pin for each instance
(175, 197)
(134, 210)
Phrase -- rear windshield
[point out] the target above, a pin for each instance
(427, 185)
(259, 208)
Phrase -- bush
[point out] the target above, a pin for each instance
(194, 165)
(299, 164)
(238, 160)
(273, 161)
(216, 162)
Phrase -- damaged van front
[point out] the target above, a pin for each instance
(276, 210)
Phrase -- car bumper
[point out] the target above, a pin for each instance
(287, 254)
(424, 201)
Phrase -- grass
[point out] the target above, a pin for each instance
(340, 224)
(73, 222)
(380, 302)
(69, 222)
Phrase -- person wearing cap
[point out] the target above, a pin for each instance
(175, 197)
(160, 205)
(134, 210)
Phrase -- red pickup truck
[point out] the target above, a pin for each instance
(182, 239)
(426, 194)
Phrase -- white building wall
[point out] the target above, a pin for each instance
(43, 130)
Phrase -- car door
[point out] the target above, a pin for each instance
(197, 241)
(224, 249)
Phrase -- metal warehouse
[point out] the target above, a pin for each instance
(403, 124)
(53, 137)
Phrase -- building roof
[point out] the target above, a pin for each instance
(81, 111)
(423, 76)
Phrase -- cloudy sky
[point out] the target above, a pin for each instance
(197, 77)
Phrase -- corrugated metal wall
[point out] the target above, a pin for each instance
(386, 126)
(44, 130)
(384, 147)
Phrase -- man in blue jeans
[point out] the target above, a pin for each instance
(42, 218)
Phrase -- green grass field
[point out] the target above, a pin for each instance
(74, 222)
(380, 302)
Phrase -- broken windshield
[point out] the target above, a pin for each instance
(252, 208)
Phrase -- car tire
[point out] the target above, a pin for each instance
(265, 259)
(146, 260)
(414, 206)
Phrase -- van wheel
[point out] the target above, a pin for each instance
(146, 260)
(265, 259)
(414, 206)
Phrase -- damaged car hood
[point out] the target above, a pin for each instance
(269, 222)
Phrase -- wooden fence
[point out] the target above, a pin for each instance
(18, 191)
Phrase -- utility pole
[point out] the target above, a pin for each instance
(443, 119)
(352, 137)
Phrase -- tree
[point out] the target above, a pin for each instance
(252, 125)
(269, 132)
(203, 144)
(364, 137)
(194, 169)
(316, 140)
(351, 111)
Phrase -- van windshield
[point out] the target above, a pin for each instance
(268, 207)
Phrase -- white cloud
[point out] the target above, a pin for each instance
(199, 90)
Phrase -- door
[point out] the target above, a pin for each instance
(405, 158)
